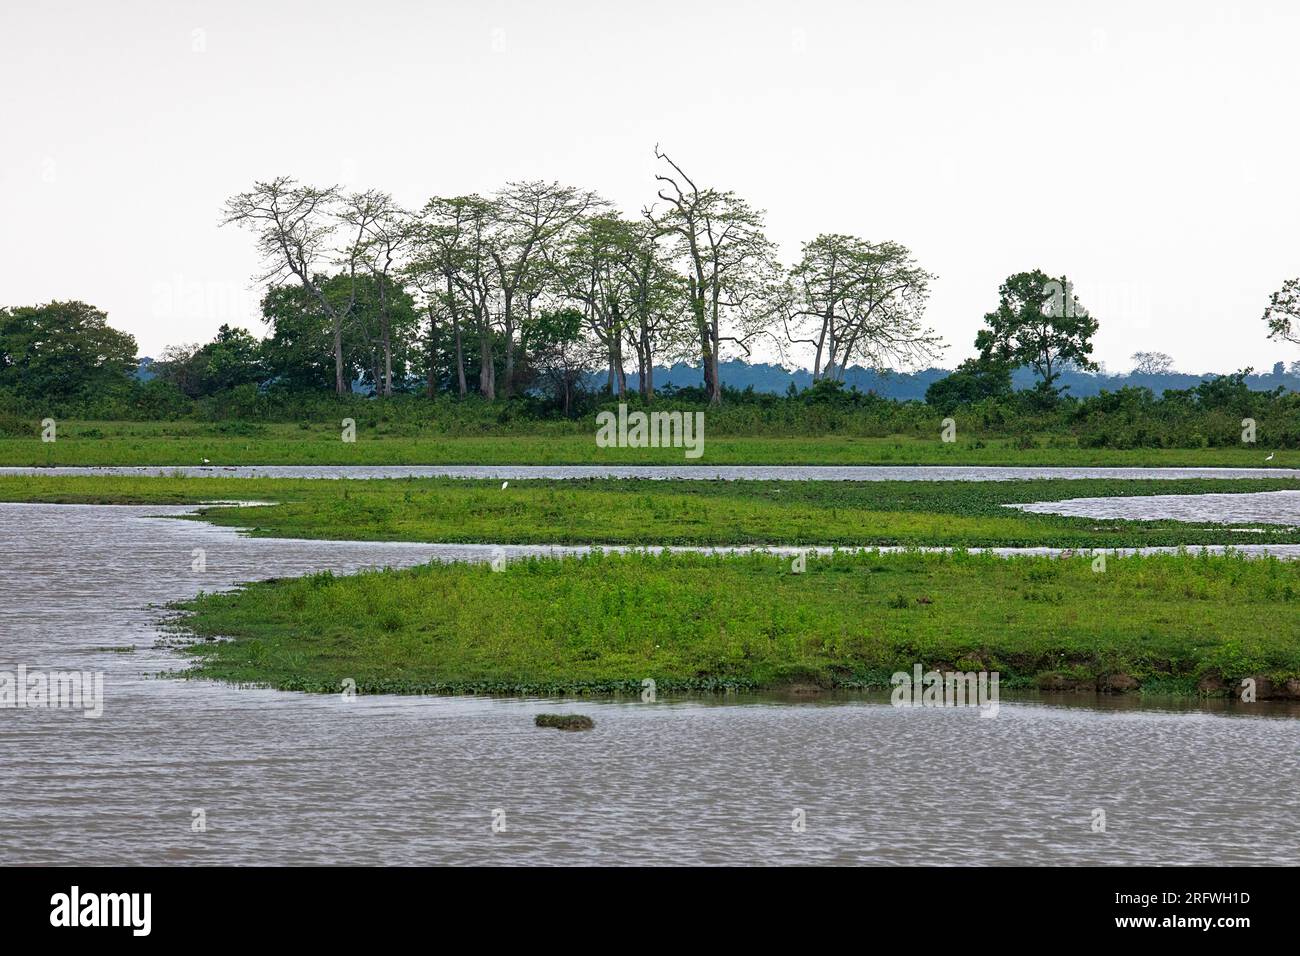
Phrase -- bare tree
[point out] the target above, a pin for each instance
(1152, 363)
(730, 264)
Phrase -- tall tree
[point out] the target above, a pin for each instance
(450, 269)
(658, 326)
(298, 232)
(529, 217)
(1039, 322)
(389, 232)
(864, 301)
(455, 240)
(588, 269)
(730, 264)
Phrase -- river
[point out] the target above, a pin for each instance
(286, 778)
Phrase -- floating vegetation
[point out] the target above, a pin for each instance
(565, 721)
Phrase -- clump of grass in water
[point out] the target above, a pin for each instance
(565, 721)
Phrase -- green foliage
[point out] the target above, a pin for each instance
(1040, 323)
(230, 361)
(974, 380)
(62, 351)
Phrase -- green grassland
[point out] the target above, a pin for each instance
(606, 622)
(638, 512)
(236, 443)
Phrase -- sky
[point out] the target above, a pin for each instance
(1146, 150)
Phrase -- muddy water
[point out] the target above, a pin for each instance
(1264, 507)
(291, 778)
(666, 472)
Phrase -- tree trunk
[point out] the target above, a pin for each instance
(388, 361)
(385, 336)
(340, 386)
(487, 385)
(715, 378)
(431, 372)
(461, 384)
(510, 347)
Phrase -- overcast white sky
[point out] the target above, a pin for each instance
(1149, 150)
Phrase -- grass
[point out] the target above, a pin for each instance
(635, 512)
(224, 443)
(606, 622)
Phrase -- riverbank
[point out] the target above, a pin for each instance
(631, 512)
(607, 622)
(223, 443)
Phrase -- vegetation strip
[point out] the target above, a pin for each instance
(605, 622)
(804, 440)
(628, 511)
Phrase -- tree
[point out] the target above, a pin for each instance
(528, 217)
(450, 270)
(864, 301)
(972, 381)
(231, 359)
(296, 228)
(1283, 313)
(383, 333)
(1152, 363)
(300, 352)
(388, 233)
(454, 242)
(178, 366)
(62, 350)
(561, 354)
(1040, 323)
(730, 264)
(657, 325)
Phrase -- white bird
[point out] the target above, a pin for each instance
(206, 462)
(503, 485)
(1270, 456)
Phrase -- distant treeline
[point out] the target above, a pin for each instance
(63, 360)
(908, 386)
